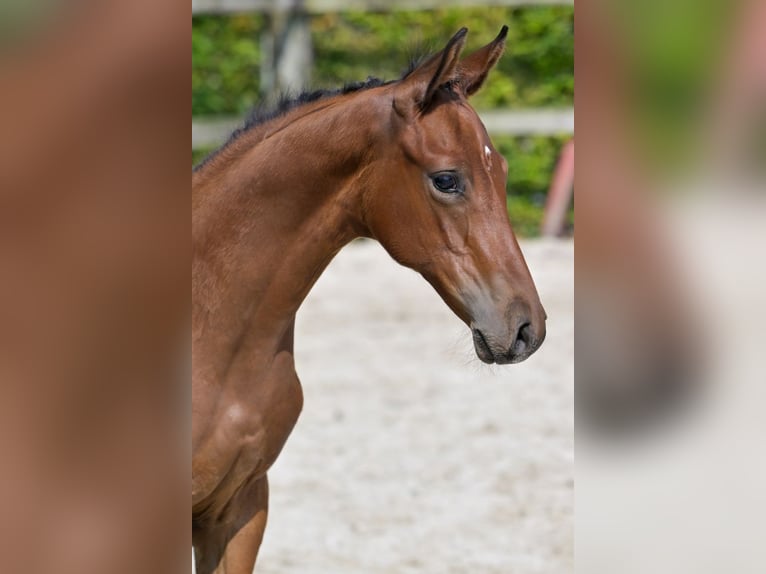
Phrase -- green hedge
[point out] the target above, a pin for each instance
(537, 70)
(225, 64)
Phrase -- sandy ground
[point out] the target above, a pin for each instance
(411, 456)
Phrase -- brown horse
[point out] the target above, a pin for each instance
(406, 162)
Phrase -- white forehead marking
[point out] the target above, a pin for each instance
(488, 157)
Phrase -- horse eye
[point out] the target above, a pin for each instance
(445, 182)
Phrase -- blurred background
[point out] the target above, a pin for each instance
(670, 286)
(245, 54)
(94, 286)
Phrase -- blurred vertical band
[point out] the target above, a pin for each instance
(94, 297)
(670, 282)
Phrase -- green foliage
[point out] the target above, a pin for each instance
(670, 51)
(226, 59)
(530, 164)
(525, 216)
(537, 70)
(531, 161)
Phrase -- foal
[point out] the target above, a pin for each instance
(408, 163)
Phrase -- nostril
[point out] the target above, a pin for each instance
(523, 339)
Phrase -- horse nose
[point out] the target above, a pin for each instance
(510, 337)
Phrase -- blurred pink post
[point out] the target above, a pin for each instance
(560, 193)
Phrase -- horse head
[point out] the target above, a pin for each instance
(435, 198)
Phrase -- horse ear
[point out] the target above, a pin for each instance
(421, 84)
(473, 70)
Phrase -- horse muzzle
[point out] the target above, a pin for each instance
(511, 340)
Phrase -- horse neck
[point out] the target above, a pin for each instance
(267, 222)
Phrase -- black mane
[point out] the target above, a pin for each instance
(262, 114)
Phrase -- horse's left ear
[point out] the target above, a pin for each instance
(420, 86)
(473, 69)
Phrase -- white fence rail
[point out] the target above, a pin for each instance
(207, 133)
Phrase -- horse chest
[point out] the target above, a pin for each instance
(245, 436)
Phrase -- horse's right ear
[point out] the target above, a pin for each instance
(415, 92)
(473, 70)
